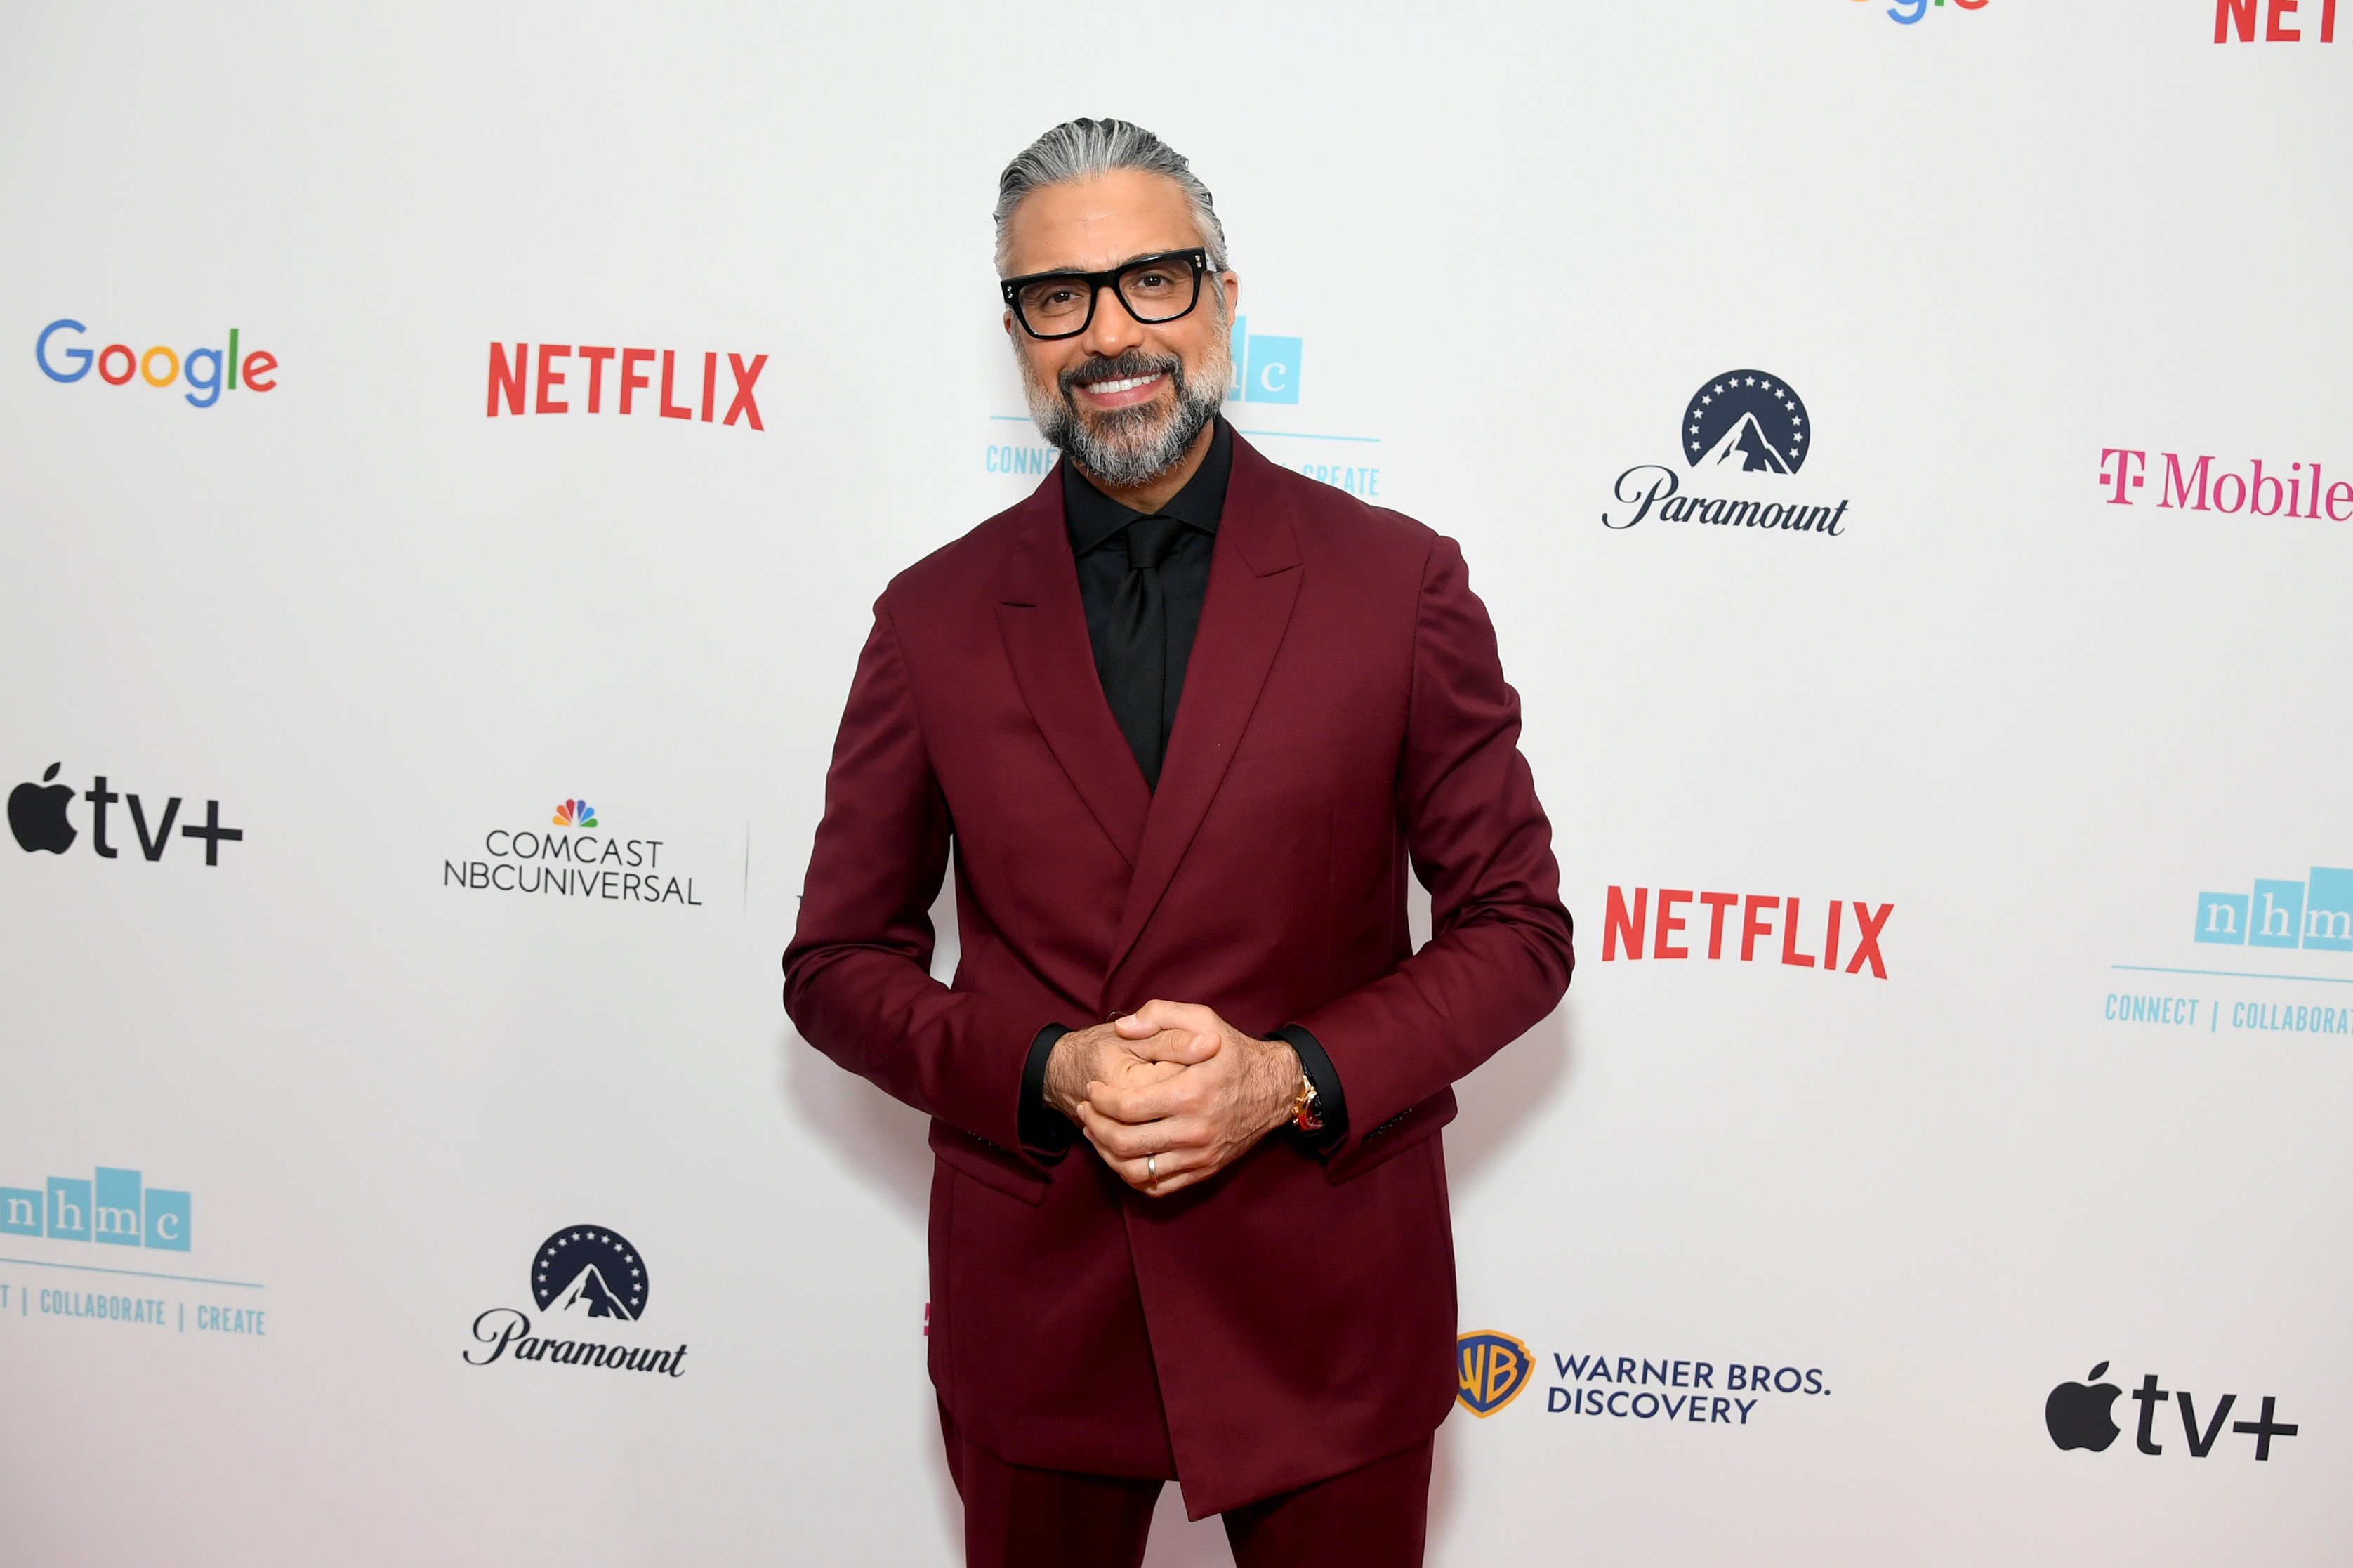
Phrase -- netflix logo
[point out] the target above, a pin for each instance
(1761, 926)
(559, 378)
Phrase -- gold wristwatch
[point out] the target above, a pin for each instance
(1307, 1106)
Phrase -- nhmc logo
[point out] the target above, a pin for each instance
(2314, 915)
(116, 1208)
(1266, 370)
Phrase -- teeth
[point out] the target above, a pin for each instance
(1105, 388)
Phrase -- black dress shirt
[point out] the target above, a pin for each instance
(1098, 527)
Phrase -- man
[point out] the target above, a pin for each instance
(1180, 720)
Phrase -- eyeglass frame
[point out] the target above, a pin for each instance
(1096, 282)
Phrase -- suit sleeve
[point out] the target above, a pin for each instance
(1499, 956)
(858, 981)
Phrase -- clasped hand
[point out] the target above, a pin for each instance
(1171, 1094)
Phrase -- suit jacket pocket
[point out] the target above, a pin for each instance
(1416, 1125)
(988, 1164)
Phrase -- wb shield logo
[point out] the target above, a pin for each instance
(1490, 1370)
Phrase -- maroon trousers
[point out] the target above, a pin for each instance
(1017, 1517)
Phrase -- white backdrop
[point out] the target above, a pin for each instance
(2010, 256)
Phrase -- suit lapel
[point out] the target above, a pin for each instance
(1045, 630)
(1254, 581)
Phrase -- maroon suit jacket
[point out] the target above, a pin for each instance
(1343, 714)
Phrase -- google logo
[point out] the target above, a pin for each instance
(1910, 11)
(208, 371)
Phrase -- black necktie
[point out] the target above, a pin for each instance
(1135, 645)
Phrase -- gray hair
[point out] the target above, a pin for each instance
(1087, 149)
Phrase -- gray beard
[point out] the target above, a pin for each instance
(1127, 446)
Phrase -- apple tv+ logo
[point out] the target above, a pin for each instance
(2080, 1415)
(37, 815)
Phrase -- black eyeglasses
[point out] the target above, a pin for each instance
(1154, 288)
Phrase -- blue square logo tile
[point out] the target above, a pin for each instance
(69, 1209)
(2277, 918)
(1273, 369)
(20, 1211)
(167, 1220)
(2329, 910)
(2222, 916)
(114, 1211)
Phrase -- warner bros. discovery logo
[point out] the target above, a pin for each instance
(587, 1280)
(1744, 435)
(2081, 1415)
(1491, 1371)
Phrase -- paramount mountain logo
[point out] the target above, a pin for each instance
(579, 1275)
(570, 1273)
(1742, 430)
(1774, 445)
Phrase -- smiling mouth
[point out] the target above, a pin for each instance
(1124, 384)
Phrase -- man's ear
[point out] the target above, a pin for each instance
(1008, 323)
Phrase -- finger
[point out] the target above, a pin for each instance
(1133, 1140)
(1133, 1072)
(1160, 1015)
(1136, 1105)
(1172, 1174)
(1183, 1047)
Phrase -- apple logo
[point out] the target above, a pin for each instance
(2077, 1413)
(38, 817)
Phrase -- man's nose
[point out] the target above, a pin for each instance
(1112, 331)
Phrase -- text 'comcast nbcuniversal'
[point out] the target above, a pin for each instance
(571, 858)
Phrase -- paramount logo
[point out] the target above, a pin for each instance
(501, 1327)
(582, 1273)
(1748, 430)
(1650, 487)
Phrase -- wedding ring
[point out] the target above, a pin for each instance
(1151, 1169)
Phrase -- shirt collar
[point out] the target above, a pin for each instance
(1095, 519)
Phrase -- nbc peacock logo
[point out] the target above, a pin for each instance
(575, 813)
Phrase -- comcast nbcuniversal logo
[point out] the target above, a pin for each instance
(572, 858)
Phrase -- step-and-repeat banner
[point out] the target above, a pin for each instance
(447, 456)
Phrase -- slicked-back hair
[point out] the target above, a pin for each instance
(1087, 149)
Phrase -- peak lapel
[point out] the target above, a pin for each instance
(1254, 581)
(1045, 630)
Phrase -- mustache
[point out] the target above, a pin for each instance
(1134, 363)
